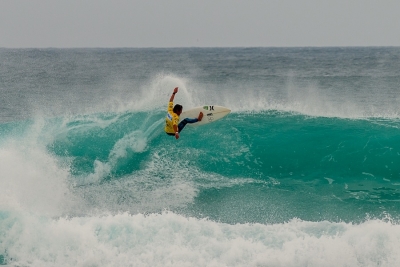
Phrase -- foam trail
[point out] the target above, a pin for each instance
(135, 142)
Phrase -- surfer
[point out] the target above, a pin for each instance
(171, 121)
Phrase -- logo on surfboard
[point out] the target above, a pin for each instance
(208, 107)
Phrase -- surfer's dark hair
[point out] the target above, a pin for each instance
(177, 108)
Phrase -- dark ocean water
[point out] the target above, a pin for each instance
(305, 171)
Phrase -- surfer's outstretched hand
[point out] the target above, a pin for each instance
(175, 90)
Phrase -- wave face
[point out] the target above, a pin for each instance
(305, 171)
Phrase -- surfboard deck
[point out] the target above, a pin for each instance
(211, 113)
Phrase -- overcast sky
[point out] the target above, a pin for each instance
(205, 23)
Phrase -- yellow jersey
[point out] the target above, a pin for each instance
(171, 119)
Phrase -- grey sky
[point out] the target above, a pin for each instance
(206, 23)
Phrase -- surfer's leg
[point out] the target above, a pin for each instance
(183, 123)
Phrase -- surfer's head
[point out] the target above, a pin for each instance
(178, 109)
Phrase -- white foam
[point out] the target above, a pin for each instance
(170, 239)
(32, 180)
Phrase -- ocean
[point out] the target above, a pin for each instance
(305, 170)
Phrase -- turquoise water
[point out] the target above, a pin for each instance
(305, 171)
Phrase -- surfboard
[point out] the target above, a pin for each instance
(211, 113)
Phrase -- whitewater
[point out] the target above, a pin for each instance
(305, 171)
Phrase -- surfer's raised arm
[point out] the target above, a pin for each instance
(173, 94)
